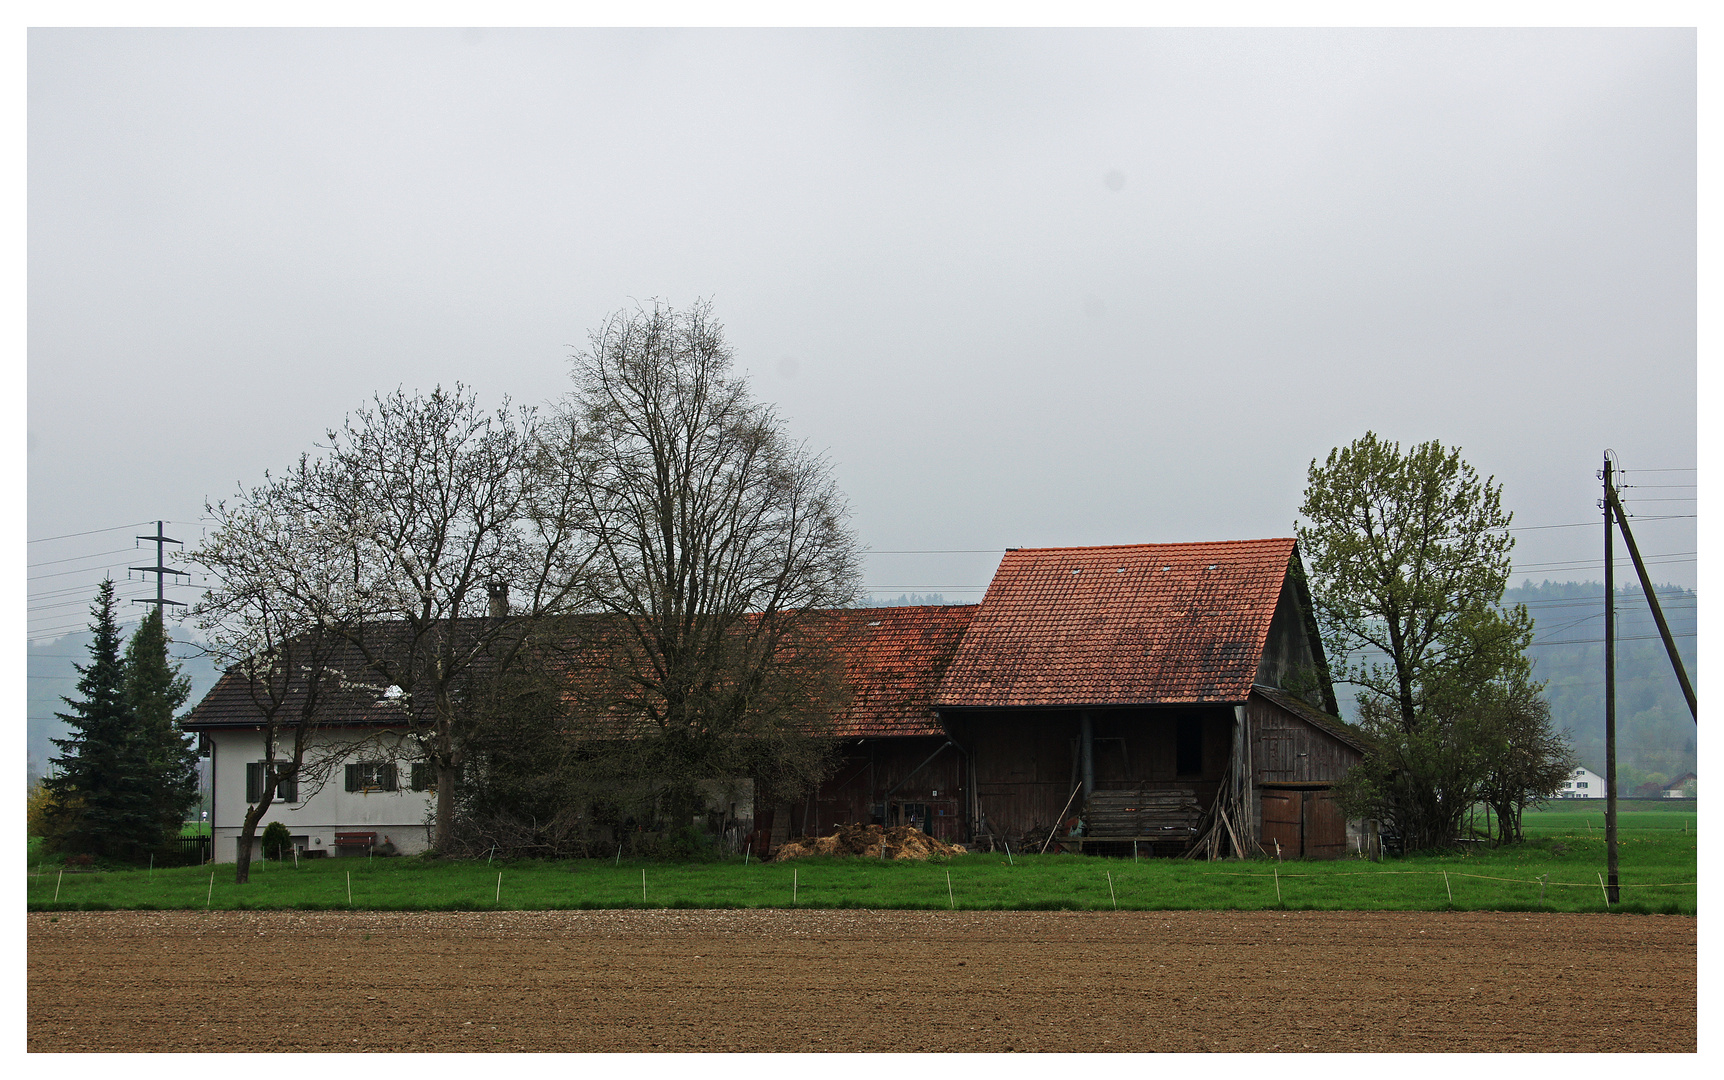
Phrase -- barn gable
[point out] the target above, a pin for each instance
(1128, 625)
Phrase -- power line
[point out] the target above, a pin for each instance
(76, 558)
(92, 532)
(937, 551)
(1595, 641)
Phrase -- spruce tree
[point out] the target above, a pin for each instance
(155, 690)
(100, 795)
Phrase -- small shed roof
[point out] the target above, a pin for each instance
(1126, 625)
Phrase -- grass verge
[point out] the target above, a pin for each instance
(1563, 859)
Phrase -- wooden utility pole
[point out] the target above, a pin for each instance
(1657, 610)
(1612, 892)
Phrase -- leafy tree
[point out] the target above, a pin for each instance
(717, 542)
(107, 796)
(1525, 760)
(155, 691)
(1409, 556)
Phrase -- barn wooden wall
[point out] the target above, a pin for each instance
(1027, 763)
(1025, 766)
(1286, 748)
(872, 768)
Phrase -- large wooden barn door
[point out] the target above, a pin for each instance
(1325, 828)
(1283, 822)
(1306, 822)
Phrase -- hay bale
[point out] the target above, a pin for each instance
(867, 841)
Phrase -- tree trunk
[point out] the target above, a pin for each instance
(253, 814)
(443, 756)
(443, 829)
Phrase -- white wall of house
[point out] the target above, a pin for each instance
(403, 816)
(1583, 783)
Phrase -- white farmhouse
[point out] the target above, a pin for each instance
(366, 787)
(1583, 783)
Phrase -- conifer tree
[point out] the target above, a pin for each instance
(120, 783)
(99, 803)
(155, 690)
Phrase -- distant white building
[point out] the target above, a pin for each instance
(1680, 788)
(1583, 783)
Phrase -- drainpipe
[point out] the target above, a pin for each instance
(1086, 741)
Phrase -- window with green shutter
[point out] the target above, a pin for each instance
(371, 776)
(285, 790)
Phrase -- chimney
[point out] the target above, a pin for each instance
(499, 599)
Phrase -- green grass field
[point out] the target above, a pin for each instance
(1566, 847)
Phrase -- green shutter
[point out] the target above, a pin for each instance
(353, 778)
(253, 781)
(386, 780)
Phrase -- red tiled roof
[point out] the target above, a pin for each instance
(894, 658)
(1135, 624)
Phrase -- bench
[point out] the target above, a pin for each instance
(367, 840)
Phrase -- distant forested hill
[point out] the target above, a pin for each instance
(910, 600)
(1655, 731)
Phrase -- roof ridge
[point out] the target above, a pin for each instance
(1170, 544)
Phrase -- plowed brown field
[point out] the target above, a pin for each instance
(860, 981)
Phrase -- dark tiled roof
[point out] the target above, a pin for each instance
(1136, 624)
(355, 698)
(895, 657)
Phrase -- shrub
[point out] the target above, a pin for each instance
(276, 843)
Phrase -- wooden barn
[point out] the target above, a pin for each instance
(1166, 698)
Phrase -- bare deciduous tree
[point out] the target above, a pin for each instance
(717, 542)
(272, 644)
(407, 540)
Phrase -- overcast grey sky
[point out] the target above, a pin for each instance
(1029, 287)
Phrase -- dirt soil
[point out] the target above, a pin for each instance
(860, 981)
